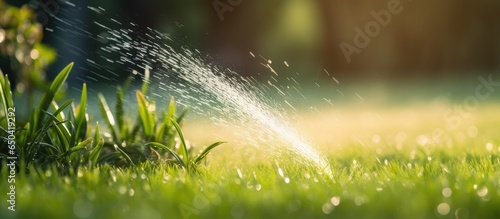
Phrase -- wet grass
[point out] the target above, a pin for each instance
(413, 182)
(386, 163)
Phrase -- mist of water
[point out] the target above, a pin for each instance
(219, 94)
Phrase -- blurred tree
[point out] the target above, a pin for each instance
(25, 57)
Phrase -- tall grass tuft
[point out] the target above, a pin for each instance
(58, 135)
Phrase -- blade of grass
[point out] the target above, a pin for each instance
(170, 151)
(182, 115)
(207, 150)
(6, 96)
(183, 143)
(125, 155)
(98, 144)
(166, 123)
(145, 116)
(56, 117)
(81, 118)
(127, 83)
(80, 146)
(49, 95)
(120, 112)
(109, 157)
(108, 117)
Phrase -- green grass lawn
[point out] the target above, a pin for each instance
(375, 179)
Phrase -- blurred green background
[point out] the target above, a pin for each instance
(431, 42)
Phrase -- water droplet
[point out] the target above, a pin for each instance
(19, 56)
(131, 192)
(359, 200)
(482, 192)
(34, 54)
(335, 200)
(2, 35)
(258, 187)
(67, 180)
(327, 208)
(20, 38)
(82, 209)
(489, 146)
(122, 190)
(240, 175)
(443, 208)
(79, 174)
(287, 180)
(280, 172)
(429, 158)
(446, 192)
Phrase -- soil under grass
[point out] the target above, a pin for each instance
(372, 178)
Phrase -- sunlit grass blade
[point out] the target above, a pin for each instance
(49, 95)
(66, 136)
(120, 113)
(207, 150)
(97, 145)
(81, 116)
(108, 116)
(126, 84)
(80, 146)
(183, 143)
(166, 124)
(96, 151)
(5, 96)
(182, 115)
(170, 151)
(125, 155)
(147, 119)
(109, 157)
